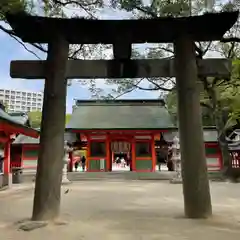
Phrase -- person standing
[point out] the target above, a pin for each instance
(76, 164)
(83, 163)
(1, 163)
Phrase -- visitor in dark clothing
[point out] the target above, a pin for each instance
(1, 164)
(170, 164)
(161, 158)
(83, 163)
(76, 164)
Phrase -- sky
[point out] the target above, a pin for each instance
(10, 50)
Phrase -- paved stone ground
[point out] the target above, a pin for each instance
(129, 210)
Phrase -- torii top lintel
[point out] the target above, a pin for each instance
(208, 27)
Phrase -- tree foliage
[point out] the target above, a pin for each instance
(36, 117)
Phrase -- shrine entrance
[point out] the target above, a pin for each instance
(121, 155)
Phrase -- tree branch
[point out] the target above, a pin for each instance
(12, 35)
(230, 39)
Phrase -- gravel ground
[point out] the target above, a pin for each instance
(124, 210)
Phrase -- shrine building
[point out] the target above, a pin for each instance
(104, 128)
(11, 125)
(120, 126)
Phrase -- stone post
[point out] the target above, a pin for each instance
(67, 149)
(176, 158)
(49, 170)
(197, 200)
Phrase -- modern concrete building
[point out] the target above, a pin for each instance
(21, 101)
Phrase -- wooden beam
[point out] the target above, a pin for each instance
(11, 129)
(36, 29)
(89, 69)
(3, 139)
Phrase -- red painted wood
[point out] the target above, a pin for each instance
(3, 139)
(127, 131)
(88, 153)
(71, 162)
(133, 162)
(7, 146)
(154, 160)
(10, 129)
(108, 153)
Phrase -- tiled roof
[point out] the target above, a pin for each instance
(120, 114)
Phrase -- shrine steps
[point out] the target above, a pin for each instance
(116, 176)
(121, 175)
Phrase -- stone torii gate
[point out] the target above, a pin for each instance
(59, 33)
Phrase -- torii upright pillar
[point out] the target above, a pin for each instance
(48, 181)
(197, 200)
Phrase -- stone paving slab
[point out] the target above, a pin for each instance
(129, 210)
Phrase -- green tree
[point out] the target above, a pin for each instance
(36, 117)
(68, 117)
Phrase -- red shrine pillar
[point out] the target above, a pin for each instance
(70, 166)
(6, 169)
(154, 160)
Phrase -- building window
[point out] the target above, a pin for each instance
(143, 149)
(97, 149)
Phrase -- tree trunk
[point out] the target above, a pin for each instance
(220, 126)
(197, 200)
(50, 160)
